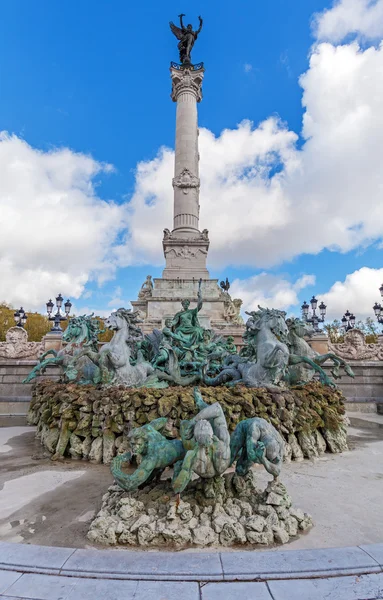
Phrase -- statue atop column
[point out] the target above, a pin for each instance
(187, 37)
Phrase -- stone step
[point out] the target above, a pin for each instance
(14, 405)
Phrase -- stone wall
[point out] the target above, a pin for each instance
(15, 396)
(367, 386)
(88, 422)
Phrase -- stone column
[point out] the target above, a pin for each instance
(186, 91)
(185, 248)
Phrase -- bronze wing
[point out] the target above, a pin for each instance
(176, 30)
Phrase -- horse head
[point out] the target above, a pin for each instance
(82, 329)
(118, 319)
(299, 328)
(76, 331)
(271, 318)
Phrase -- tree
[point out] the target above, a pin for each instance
(38, 325)
(335, 330)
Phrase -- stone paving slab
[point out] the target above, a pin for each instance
(167, 590)
(125, 564)
(241, 590)
(33, 586)
(298, 563)
(25, 557)
(42, 587)
(365, 587)
(7, 578)
(376, 551)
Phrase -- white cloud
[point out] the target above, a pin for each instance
(247, 67)
(362, 17)
(269, 291)
(357, 293)
(56, 234)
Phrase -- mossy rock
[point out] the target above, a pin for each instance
(90, 410)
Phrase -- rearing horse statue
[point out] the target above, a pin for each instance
(265, 360)
(114, 357)
(300, 373)
(82, 332)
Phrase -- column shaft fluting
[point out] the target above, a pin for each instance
(186, 92)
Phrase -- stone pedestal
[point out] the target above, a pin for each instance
(52, 341)
(319, 343)
(165, 301)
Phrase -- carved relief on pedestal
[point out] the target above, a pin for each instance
(184, 252)
(233, 310)
(186, 180)
(354, 347)
(17, 345)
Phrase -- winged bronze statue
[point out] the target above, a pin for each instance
(187, 37)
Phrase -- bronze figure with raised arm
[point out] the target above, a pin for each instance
(187, 37)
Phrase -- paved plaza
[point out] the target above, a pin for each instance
(44, 573)
(45, 504)
(52, 503)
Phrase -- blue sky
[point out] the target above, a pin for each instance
(93, 77)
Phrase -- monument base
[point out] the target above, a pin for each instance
(223, 511)
(165, 298)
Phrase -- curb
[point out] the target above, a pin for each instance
(192, 566)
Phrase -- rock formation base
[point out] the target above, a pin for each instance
(225, 511)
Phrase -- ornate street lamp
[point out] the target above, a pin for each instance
(378, 309)
(348, 321)
(20, 317)
(314, 318)
(58, 316)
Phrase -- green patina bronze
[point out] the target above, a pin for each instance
(82, 333)
(183, 353)
(155, 451)
(256, 441)
(205, 448)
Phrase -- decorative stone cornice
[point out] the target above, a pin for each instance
(186, 180)
(186, 80)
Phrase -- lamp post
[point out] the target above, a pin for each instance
(348, 321)
(20, 317)
(378, 309)
(314, 318)
(58, 317)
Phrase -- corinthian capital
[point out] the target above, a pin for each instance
(186, 80)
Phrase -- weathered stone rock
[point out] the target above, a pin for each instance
(291, 526)
(336, 441)
(281, 536)
(274, 499)
(232, 533)
(255, 523)
(296, 452)
(93, 413)
(108, 447)
(204, 536)
(75, 444)
(307, 443)
(95, 454)
(150, 517)
(320, 442)
(265, 538)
